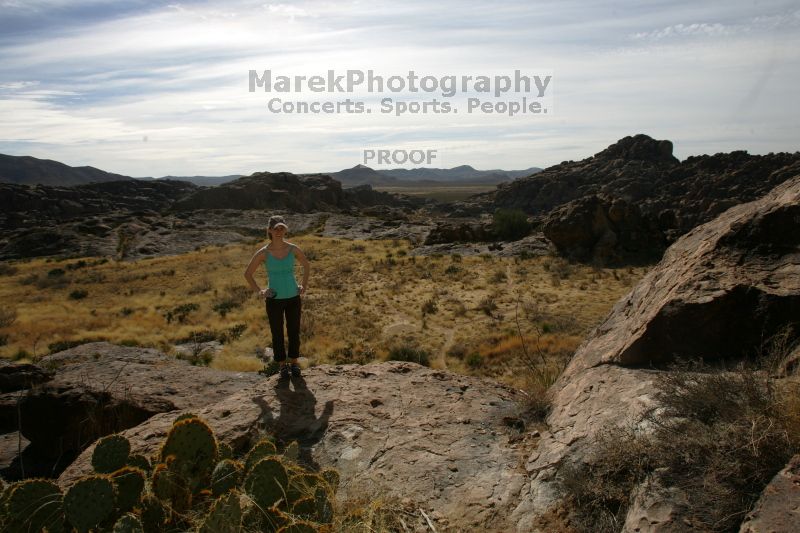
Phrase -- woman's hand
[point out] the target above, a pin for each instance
(301, 290)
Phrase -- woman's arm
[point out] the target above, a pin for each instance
(257, 259)
(300, 256)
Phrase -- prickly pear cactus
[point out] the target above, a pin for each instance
(89, 502)
(292, 451)
(332, 477)
(225, 515)
(129, 523)
(226, 476)
(323, 508)
(302, 485)
(129, 482)
(139, 461)
(171, 488)
(194, 448)
(110, 454)
(270, 519)
(153, 514)
(266, 482)
(33, 505)
(304, 507)
(263, 448)
(185, 416)
(224, 451)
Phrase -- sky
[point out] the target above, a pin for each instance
(146, 88)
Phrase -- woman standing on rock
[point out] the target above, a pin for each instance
(282, 294)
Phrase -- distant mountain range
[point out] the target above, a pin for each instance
(26, 170)
(360, 174)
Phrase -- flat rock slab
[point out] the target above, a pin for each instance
(99, 388)
(778, 509)
(390, 429)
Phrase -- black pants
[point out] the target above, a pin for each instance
(276, 309)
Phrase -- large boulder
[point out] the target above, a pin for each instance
(719, 292)
(778, 509)
(601, 229)
(671, 197)
(448, 443)
(100, 388)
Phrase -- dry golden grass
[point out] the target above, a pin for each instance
(364, 297)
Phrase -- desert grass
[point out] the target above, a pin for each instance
(365, 298)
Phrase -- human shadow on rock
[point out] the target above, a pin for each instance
(296, 417)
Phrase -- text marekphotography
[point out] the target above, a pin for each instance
(511, 94)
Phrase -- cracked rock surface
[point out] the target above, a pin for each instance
(438, 439)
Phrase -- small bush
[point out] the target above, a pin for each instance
(474, 360)
(3, 340)
(429, 307)
(510, 224)
(78, 294)
(411, 354)
(499, 276)
(7, 317)
(488, 305)
(56, 273)
(180, 313)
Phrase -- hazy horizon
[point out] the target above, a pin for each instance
(147, 88)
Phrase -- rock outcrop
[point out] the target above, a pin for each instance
(778, 509)
(670, 197)
(447, 443)
(719, 292)
(101, 388)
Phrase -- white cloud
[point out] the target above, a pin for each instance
(88, 91)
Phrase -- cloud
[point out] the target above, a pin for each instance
(86, 81)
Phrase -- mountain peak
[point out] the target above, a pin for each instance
(640, 147)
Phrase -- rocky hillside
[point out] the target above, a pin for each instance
(459, 449)
(720, 293)
(286, 191)
(26, 170)
(140, 218)
(633, 199)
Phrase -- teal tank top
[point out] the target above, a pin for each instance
(280, 273)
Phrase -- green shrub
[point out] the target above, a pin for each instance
(474, 360)
(510, 224)
(409, 353)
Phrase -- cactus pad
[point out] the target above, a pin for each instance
(110, 454)
(227, 475)
(304, 507)
(153, 515)
(129, 482)
(224, 451)
(129, 523)
(33, 505)
(323, 508)
(292, 451)
(185, 416)
(266, 482)
(332, 477)
(263, 448)
(225, 515)
(139, 461)
(302, 485)
(194, 448)
(171, 488)
(89, 501)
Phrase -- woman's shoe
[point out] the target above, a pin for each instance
(284, 371)
(296, 371)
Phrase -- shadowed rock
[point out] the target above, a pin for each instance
(392, 428)
(721, 291)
